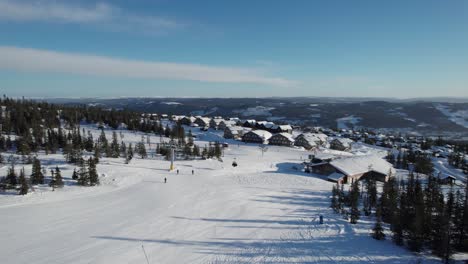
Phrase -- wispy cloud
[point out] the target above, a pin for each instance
(100, 15)
(22, 59)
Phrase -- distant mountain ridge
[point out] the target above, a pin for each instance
(435, 116)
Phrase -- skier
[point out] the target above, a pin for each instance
(193, 172)
(177, 171)
(165, 180)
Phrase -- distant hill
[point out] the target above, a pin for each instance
(425, 116)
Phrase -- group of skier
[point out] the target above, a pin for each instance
(165, 179)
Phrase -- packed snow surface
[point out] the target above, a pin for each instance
(262, 211)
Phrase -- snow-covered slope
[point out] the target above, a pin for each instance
(263, 211)
(458, 117)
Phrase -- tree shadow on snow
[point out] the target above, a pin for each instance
(303, 239)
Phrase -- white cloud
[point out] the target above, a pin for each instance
(99, 15)
(34, 60)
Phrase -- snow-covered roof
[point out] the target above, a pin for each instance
(314, 137)
(217, 120)
(235, 128)
(362, 164)
(344, 141)
(325, 156)
(228, 122)
(262, 133)
(286, 135)
(336, 176)
(285, 127)
(267, 124)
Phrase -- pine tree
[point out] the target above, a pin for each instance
(389, 200)
(11, 178)
(397, 228)
(440, 243)
(115, 148)
(354, 202)
(52, 179)
(378, 229)
(93, 175)
(341, 198)
(58, 177)
(190, 138)
(458, 220)
(123, 149)
(24, 183)
(97, 153)
(129, 155)
(416, 231)
(37, 177)
(187, 151)
(196, 151)
(83, 174)
(217, 150)
(334, 199)
(141, 150)
(75, 175)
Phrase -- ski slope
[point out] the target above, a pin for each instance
(263, 211)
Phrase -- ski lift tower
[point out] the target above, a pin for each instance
(172, 151)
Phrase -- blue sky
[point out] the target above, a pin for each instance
(234, 48)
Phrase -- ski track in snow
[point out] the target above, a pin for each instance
(262, 211)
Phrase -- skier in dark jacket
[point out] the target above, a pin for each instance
(165, 180)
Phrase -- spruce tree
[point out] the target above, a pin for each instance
(196, 151)
(341, 198)
(378, 232)
(187, 151)
(123, 149)
(115, 148)
(129, 155)
(397, 230)
(83, 174)
(24, 188)
(354, 202)
(97, 153)
(334, 199)
(75, 175)
(440, 243)
(11, 178)
(416, 230)
(52, 179)
(37, 177)
(217, 150)
(58, 177)
(93, 175)
(141, 150)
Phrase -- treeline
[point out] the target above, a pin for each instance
(28, 127)
(411, 160)
(420, 217)
(85, 176)
(43, 126)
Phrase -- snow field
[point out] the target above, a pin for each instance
(263, 211)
